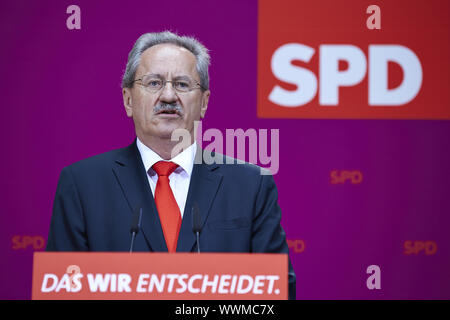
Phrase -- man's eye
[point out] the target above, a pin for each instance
(154, 83)
(182, 84)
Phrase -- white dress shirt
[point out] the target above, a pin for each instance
(179, 179)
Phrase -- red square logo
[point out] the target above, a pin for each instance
(351, 60)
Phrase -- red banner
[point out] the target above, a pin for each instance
(206, 276)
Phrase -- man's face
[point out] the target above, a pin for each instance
(168, 62)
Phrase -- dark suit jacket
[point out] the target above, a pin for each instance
(95, 199)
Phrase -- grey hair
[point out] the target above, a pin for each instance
(148, 40)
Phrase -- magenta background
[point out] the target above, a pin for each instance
(61, 102)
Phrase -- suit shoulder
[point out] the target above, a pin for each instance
(97, 162)
(236, 166)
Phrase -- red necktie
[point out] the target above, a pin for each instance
(168, 210)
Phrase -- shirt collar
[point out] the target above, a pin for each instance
(185, 159)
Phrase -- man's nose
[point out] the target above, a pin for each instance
(168, 93)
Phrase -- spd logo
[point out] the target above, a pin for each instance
(21, 242)
(297, 245)
(419, 247)
(318, 59)
(342, 176)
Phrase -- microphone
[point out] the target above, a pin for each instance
(196, 223)
(135, 225)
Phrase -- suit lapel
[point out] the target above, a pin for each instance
(203, 187)
(130, 173)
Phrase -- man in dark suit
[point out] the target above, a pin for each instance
(166, 89)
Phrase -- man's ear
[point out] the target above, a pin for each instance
(205, 99)
(128, 104)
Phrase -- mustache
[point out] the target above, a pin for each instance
(168, 107)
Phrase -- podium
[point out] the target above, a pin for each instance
(159, 276)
